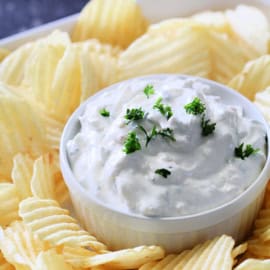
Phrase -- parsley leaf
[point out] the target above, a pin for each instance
(195, 107)
(207, 127)
(134, 114)
(131, 143)
(164, 109)
(103, 112)
(149, 90)
(166, 133)
(163, 172)
(242, 153)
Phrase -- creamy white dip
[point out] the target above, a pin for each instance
(205, 172)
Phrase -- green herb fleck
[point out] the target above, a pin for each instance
(134, 114)
(104, 112)
(242, 153)
(195, 107)
(163, 172)
(149, 90)
(164, 109)
(166, 133)
(207, 127)
(131, 143)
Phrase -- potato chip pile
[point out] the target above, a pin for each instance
(42, 83)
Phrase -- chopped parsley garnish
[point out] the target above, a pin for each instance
(104, 112)
(195, 107)
(149, 90)
(134, 114)
(164, 109)
(163, 172)
(132, 143)
(207, 127)
(242, 153)
(166, 133)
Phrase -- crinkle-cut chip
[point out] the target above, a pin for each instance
(213, 254)
(258, 248)
(12, 68)
(239, 250)
(22, 173)
(40, 71)
(254, 264)
(98, 71)
(50, 260)
(122, 259)
(251, 25)
(3, 53)
(64, 95)
(53, 131)
(42, 181)
(76, 253)
(227, 58)
(53, 224)
(9, 203)
(21, 131)
(4, 265)
(253, 78)
(184, 50)
(262, 100)
(19, 245)
(109, 21)
(213, 19)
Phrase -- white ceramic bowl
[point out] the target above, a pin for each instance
(121, 230)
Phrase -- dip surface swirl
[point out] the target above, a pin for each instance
(202, 171)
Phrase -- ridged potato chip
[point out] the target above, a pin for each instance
(211, 255)
(252, 264)
(251, 25)
(174, 51)
(21, 131)
(50, 260)
(253, 78)
(20, 246)
(12, 68)
(122, 259)
(53, 224)
(21, 174)
(9, 203)
(109, 21)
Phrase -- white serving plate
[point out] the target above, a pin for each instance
(154, 10)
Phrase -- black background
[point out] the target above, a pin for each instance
(19, 15)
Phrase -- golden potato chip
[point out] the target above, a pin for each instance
(108, 21)
(228, 59)
(251, 25)
(178, 50)
(19, 245)
(122, 259)
(3, 53)
(9, 203)
(258, 248)
(53, 224)
(42, 181)
(253, 78)
(239, 250)
(252, 264)
(4, 265)
(50, 260)
(21, 132)
(21, 174)
(12, 68)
